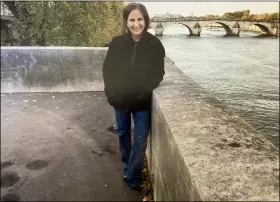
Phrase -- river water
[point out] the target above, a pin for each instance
(242, 71)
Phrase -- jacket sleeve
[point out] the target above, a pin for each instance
(157, 71)
(109, 68)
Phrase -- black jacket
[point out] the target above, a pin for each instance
(131, 71)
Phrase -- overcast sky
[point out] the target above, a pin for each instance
(205, 8)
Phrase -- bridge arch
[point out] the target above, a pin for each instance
(159, 27)
(182, 24)
(231, 28)
(263, 28)
(190, 30)
(224, 26)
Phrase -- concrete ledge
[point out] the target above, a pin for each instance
(199, 150)
(51, 69)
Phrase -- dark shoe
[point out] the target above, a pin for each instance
(139, 188)
(124, 178)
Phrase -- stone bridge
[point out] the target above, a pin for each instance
(232, 27)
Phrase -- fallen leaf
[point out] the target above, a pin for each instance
(145, 198)
(112, 129)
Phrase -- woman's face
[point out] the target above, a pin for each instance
(135, 22)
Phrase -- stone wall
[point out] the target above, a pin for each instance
(200, 150)
(51, 69)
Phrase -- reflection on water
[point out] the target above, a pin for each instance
(242, 71)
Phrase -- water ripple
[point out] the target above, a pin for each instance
(242, 72)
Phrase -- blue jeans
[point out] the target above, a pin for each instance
(132, 155)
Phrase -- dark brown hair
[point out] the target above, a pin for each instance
(127, 10)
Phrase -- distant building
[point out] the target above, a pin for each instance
(167, 15)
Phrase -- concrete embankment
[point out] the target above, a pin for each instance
(198, 149)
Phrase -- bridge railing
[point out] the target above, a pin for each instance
(157, 19)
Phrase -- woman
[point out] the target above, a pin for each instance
(133, 68)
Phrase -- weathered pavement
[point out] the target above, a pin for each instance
(56, 146)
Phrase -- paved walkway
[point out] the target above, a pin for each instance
(56, 146)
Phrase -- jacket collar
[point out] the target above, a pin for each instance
(145, 38)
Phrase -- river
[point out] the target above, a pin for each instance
(242, 71)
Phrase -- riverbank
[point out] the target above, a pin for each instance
(242, 72)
